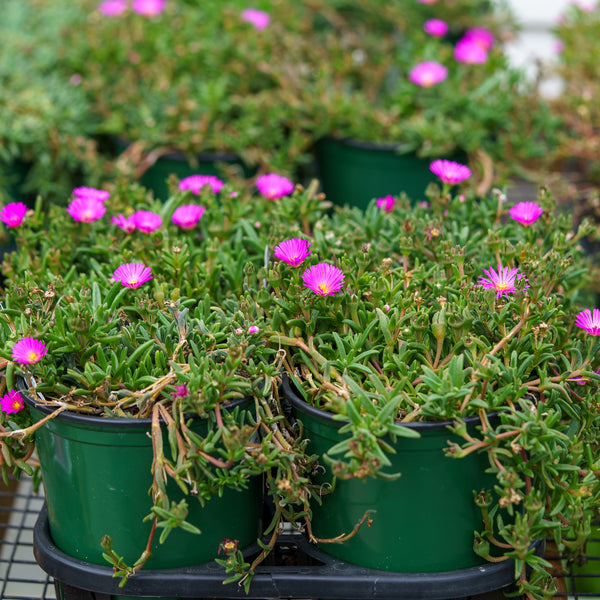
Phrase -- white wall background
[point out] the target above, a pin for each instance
(536, 42)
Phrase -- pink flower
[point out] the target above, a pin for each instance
(253, 329)
(526, 212)
(449, 171)
(386, 203)
(11, 402)
(180, 391)
(274, 186)
(589, 320)
(12, 214)
(88, 192)
(28, 351)
(323, 279)
(148, 8)
(436, 27)
(146, 221)
(259, 18)
(112, 8)
(480, 35)
(132, 275)
(86, 209)
(470, 51)
(387, 308)
(188, 215)
(239, 330)
(504, 281)
(195, 183)
(127, 224)
(428, 1)
(427, 74)
(293, 251)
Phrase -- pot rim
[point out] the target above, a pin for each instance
(323, 415)
(83, 419)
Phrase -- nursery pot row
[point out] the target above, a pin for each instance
(96, 475)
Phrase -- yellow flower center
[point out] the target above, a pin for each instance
(324, 288)
(132, 281)
(33, 356)
(501, 286)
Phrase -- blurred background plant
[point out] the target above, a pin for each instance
(47, 125)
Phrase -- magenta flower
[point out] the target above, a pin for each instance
(259, 18)
(480, 35)
(293, 251)
(323, 279)
(88, 192)
(469, 51)
(132, 275)
(504, 281)
(449, 171)
(195, 183)
(13, 213)
(253, 329)
(274, 186)
(29, 351)
(180, 391)
(428, 1)
(386, 203)
(188, 215)
(146, 221)
(11, 402)
(148, 8)
(526, 212)
(127, 224)
(428, 73)
(86, 209)
(436, 27)
(112, 8)
(589, 320)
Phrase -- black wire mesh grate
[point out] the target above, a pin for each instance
(20, 576)
(22, 579)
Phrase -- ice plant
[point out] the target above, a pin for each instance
(504, 281)
(293, 251)
(146, 220)
(86, 209)
(436, 27)
(148, 8)
(12, 214)
(132, 275)
(589, 320)
(386, 203)
(480, 35)
(274, 186)
(29, 351)
(253, 329)
(323, 279)
(470, 51)
(112, 8)
(127, 224)
(428, 73)
(526, 212)
(195, 183)
(449, 171)
(188, 215)
(90, 192)
(12, 402)
(259, 18)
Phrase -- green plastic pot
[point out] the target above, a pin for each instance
(586, 576)
(423, 522)
(354, 172)
(156, 177)
(96, 476)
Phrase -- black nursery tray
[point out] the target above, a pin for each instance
(296, 569)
